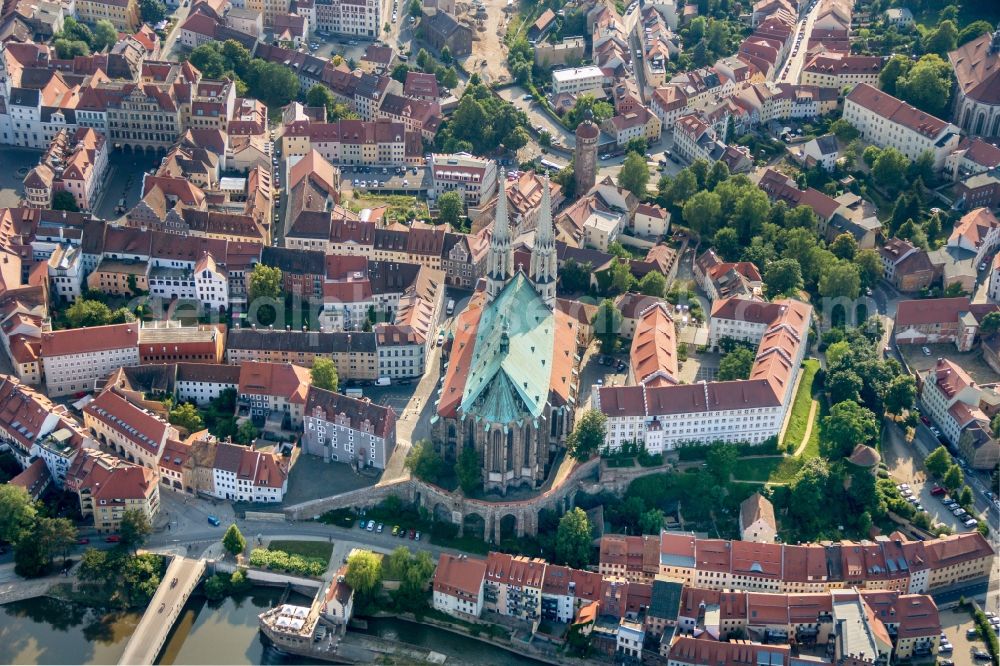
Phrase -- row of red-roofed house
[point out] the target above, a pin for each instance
(620, 616)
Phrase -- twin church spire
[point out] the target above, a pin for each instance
(543, 270)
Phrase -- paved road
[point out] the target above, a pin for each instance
(795, 63)
(181, 14)
(164, 608)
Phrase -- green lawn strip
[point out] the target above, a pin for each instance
(798, 422)
(757, 469)
(318, 549)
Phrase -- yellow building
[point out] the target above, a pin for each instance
(123, 14)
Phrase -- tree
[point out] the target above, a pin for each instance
(965, 498)
(727, 243)
(187, 417)
(468, 470)
(844, 130)
(736, 364)
(843, 384)
(364, 573)
(840, 279)
(973, 30)
(836, 352)
(682, 188)
(807, 492)
(869, 267)
(271, 82)
(105, 35)
(233, 540)
(927, 85)
(752, 208)
(573, 539)
(424, 462)
(653, 283)
(450, 78)
(415, 8)
(702, 212)
(48, 537)
(938, 462)
(324, 374)
(606, 323)
(894, 68)
(152, 11)
(782, 277)
(246, 433)
(651, 522)
(600, 111)
(953, 478)
(68, 49)
(575, 277)
(942, 39)
(722, 458)
(135, 527)
(588, 434)
(847, 425)
(265, 282)
(208, 59)
(900, 394)
(990, 324)
(844, 246)
(86, 313)
(634, 175)
(17, 513)
(889, 169)
(450, 208)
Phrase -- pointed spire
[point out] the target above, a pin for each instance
(501, 223)
(544, 263)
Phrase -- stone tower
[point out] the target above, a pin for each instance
(544, 263)
(500, 262)
(585, 155)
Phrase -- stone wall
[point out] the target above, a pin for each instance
(460, 510)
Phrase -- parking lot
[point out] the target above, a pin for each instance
(17, 162)
(972, 362)
(955, 624)
(410, 181)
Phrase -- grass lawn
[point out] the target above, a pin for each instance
(799, 419)
(318, 549)
(400, 206)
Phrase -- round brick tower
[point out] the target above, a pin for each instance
(585, 156)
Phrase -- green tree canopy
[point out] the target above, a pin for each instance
(927, 85)
(938, 462)
(607, 322)
(942, 39)
(84, 313)
(702, 212)
(653, 283)
(889, 169)
(265, 282)
(900, 394)
(736, 365)
(425, 463)
(844, 246)
(135, 528)
(233, 540)
(953, 478)
(17, 513)
(722, 459)
(364, 573)
(573, 539)
(451, 206)
(152, 11)
(783, 276)
(588, 434)
(468, 470)
(634, 175)
(186, 416)
(324, 374)
(847, 425)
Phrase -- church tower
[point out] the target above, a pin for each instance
(544, 263)
(500, 263)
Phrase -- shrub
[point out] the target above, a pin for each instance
(279, 560)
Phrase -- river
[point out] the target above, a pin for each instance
(47, 631)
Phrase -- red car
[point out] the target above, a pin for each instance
(114, 538)
(413, 533)
(937, 490)
(83, 541)
(926, 420)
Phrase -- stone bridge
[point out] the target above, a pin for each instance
(490, 520)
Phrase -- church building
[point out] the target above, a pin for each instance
(512, 381)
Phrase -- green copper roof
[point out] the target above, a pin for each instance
(512, 359)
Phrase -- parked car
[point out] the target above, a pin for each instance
(213, 521)
(926, 351)
(371, 526)
(83, 541)
(937, 490)
(416, 537)
(395, 530)
(112, 538)
(378, 528)
(413, 533)
(971, 522)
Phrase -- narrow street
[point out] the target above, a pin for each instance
(795, 62)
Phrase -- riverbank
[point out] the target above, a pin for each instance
(546, 654)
